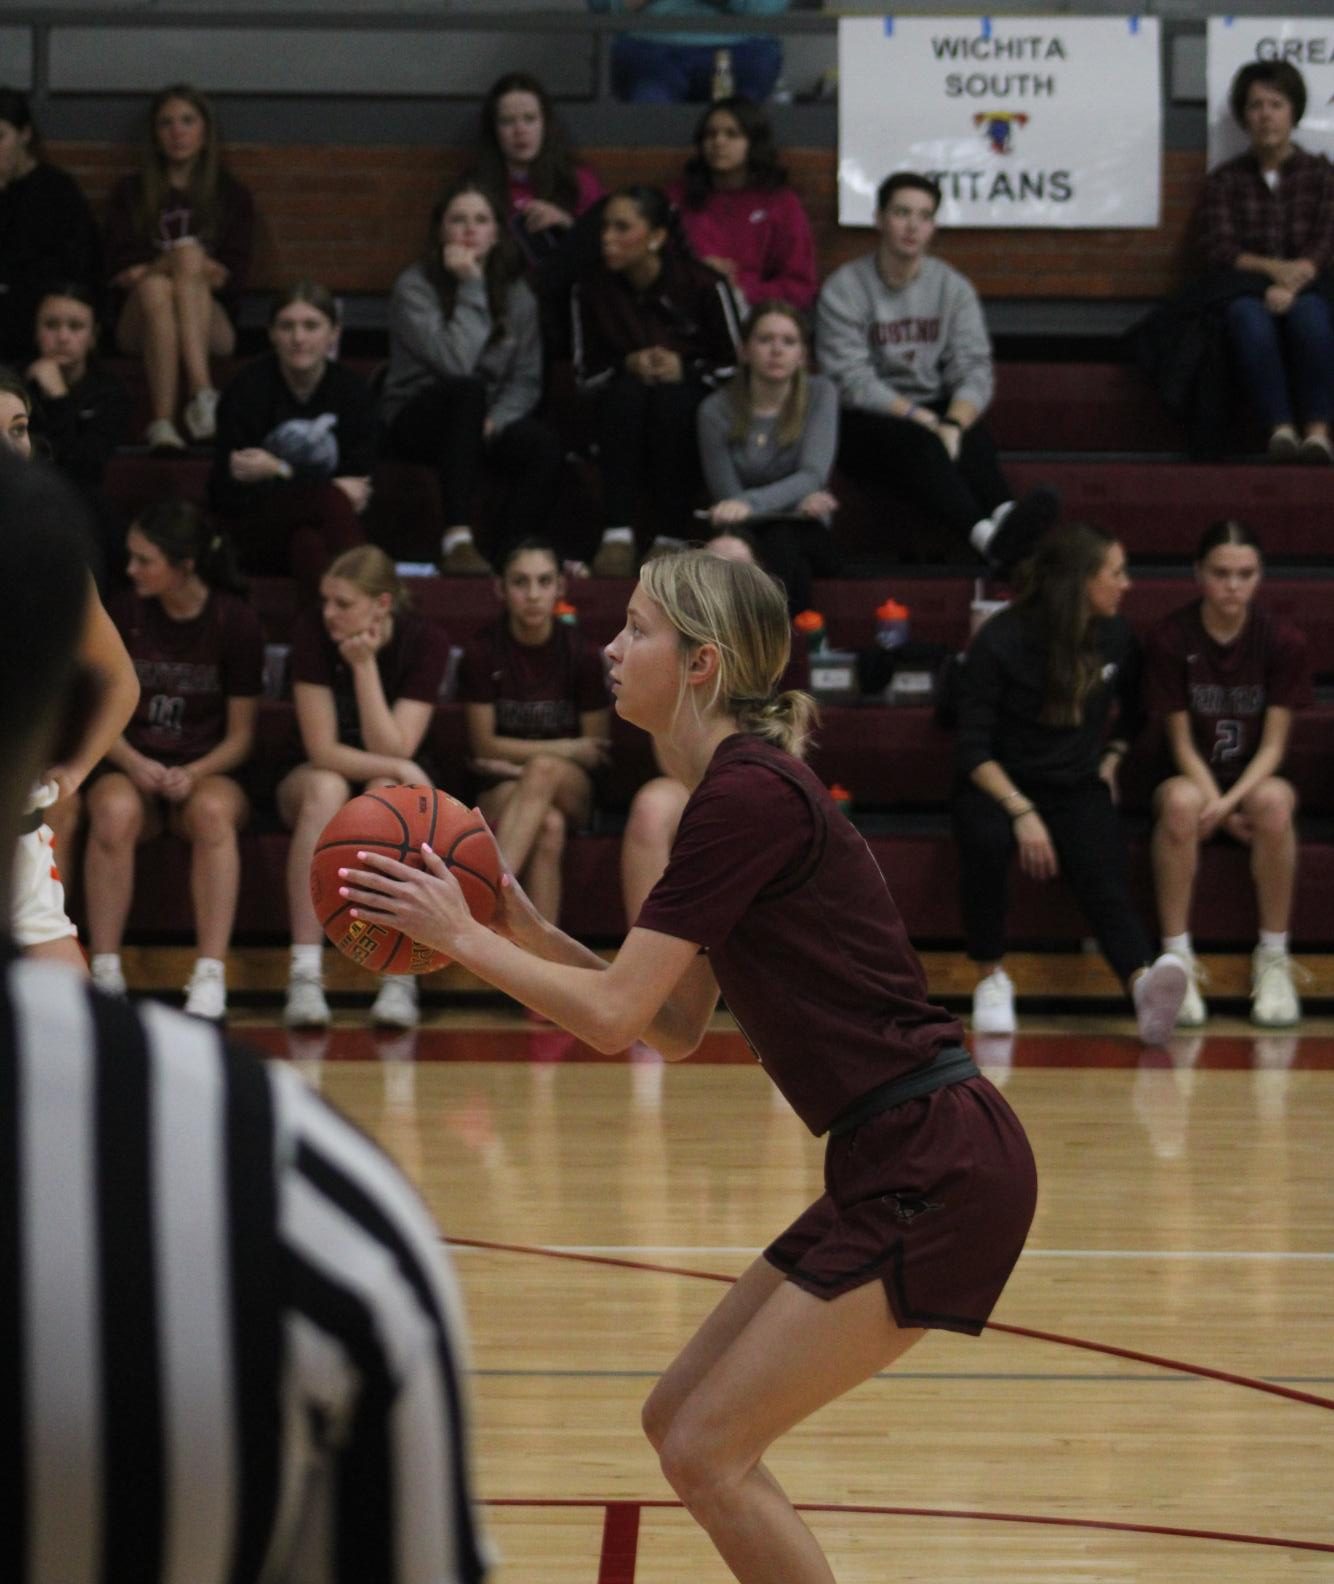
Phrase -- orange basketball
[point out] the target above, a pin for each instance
(396, 821)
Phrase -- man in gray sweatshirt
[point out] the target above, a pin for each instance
(902, 336)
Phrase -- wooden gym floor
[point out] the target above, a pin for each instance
(1152, 1401)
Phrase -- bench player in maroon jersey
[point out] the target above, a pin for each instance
(1227, 675)
(772, 897)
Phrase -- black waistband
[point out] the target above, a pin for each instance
(950, 1065)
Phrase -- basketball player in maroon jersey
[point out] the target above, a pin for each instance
(772, 897)
(1227, 676)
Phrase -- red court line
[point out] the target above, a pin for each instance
(1046, 1520)
(1179, 1366)
(620, 1543)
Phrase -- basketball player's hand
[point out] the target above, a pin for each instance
(590, 752)
(667, 366)
(515, 918)
(46, 372)
(253, 465)
(1214, 817)
(361, 648)
(819, 503)
(68, 779)
(148, 775)
(640, 364)
(1037, 856)
(177, 784)
(461, 262)
(724, 512)
(1240, 827)
(951, 438)
(1278, 299)
(427, 904)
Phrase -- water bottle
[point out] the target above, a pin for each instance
(841, 799)
(566, 614)
(809, 625)
(724, 84)
(892, 624)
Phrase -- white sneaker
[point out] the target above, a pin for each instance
(105, 972)
(306, 1006)
(1194, 1013)
(1158, 994)
(201, 414)
(1274, 1002)
(396, 1004)
(163, 435)
(993, 1004)
(206, 994)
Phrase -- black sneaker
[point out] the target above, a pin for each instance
(1023, 526)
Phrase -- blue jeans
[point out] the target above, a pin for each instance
(653, 71)
(1287, 360)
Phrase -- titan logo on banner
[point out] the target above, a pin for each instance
(1024, 121)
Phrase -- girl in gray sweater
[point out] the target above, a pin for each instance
(465, 374)
(767, 443)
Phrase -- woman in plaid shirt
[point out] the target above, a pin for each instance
(1269, 213)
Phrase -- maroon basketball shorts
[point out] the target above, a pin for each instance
(933, 1198)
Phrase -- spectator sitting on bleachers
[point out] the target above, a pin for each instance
(199, 655)
(671, 68)
(295, 445)
(1036, 771)
(1269, 214)
(538, 719)
(178, 242)
(738, 212)
(902, 336)
(654, 330)
(366, 677)
(47, 230)
(1226, 677)
(80, 410)
(523, 154)
(767, 443)
(465, 374)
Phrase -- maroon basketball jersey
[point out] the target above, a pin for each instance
(803, 935)
(187, 671)
(540, 691)
(1225, 688)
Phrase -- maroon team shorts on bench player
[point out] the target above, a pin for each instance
(933, 1198)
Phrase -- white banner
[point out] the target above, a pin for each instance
(1023, 120)
(1306, 42)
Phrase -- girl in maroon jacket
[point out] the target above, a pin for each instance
(178, 247)
(654, 331)
(773, 898)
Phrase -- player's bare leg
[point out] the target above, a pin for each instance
(795, 1354)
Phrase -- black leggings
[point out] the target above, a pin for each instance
(646, 439)
(796, 550)
(442, 427)
(1090, 845)
(907, 457)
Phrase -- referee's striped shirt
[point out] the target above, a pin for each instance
(230, 1345)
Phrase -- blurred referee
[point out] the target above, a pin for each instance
(230, 1346)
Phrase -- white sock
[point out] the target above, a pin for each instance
(403, 979)
(211, 965)
(1178, 945)
(455, 537)
(1274, 940)
(106, 962)
(307, 962)
(618, 536)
